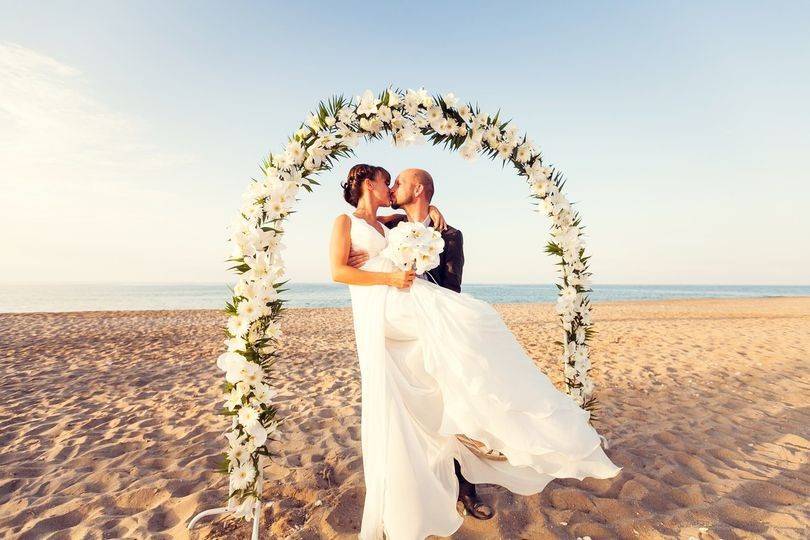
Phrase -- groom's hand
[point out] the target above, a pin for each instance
(357, 258)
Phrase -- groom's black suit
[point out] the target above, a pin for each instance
(448, 275)
(451, 259)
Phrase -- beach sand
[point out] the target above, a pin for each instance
(108, 426)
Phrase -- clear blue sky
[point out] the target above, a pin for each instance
(129, 130)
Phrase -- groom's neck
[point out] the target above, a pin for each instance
(417, 210)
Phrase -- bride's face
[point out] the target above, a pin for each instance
(378, 189)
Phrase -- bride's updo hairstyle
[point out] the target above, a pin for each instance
(353, 186)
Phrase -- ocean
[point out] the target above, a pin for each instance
(145, 296)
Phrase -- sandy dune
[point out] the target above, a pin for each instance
(107, 425)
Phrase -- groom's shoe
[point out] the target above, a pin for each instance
(475, 506)
(469, 498)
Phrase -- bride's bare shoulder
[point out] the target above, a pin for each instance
(342, 222)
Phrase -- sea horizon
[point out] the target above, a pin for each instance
(30, 297)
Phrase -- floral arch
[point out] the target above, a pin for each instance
(336, 127)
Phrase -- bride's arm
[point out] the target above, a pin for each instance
(343, 273)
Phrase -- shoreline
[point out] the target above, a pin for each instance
(541, 303)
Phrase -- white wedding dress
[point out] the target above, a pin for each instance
(435, 363)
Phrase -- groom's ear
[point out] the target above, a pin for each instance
(418, 190)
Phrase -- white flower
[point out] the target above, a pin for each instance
(469, 150)
(384, 114)
(346, 116)
(242, 476)
(541, 187)
(257, 433)
(265, 393)
(524, 152)
(505, 150)
(350, 140)
(412, 102)
(393, 98)
(252, 374)
(294, 153)
(312, 163)
(408, 135)
(291, 179)
(245, 508)
(397, 121)
(273, 330)
(250, 310)
(372, 125)
(238, 454)
(314, 122)
(248, 416)
(281, 162)
(450, 100)
(234, 399)
(235, 344)
(435, 115)
(536, 171)
(465, 113)
(233, 365)
(510, 133)
(238, 325)
(266, 294)
(446, 126)
(492, 136)
(368, 104)
(420, 121)
(414, 245)
(426, 98)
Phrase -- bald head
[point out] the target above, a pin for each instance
(420, 177)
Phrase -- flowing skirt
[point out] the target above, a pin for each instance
(435, 363)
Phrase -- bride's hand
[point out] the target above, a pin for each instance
(402, 279)
(437, 218)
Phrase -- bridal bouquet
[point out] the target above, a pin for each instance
(414, 245)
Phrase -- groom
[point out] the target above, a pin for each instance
(412, 192)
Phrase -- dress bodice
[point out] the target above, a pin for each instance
(366, 238)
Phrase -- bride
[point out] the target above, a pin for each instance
(434, 364)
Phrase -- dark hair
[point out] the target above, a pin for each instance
(353, 186)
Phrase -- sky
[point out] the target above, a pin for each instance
(129, 131)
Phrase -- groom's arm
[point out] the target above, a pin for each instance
(392, 220)
(454, 259)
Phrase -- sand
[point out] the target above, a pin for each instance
(108, 426)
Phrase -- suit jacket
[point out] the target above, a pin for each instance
(451, 259)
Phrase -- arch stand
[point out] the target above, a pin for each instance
(221, 510)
